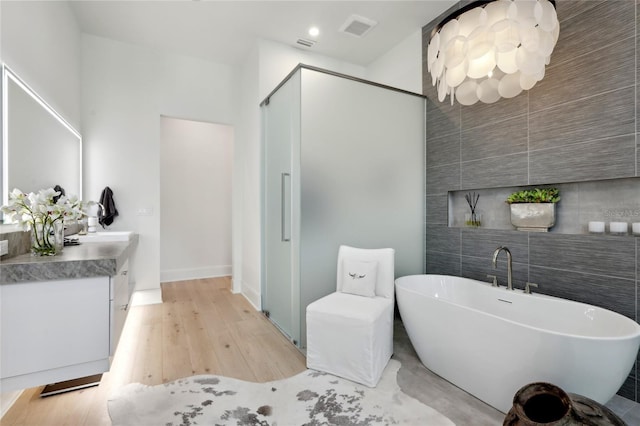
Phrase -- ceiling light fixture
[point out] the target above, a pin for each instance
(314, 31)
(491, 49)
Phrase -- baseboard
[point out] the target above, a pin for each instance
(252, 296)
(195, 273)
(7, 399)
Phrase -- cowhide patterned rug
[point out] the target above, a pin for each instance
(309, 398)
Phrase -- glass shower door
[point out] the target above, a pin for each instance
(280, 297)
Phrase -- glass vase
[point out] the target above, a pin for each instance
(473, 219)
(47, 238)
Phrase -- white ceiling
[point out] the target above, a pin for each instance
(225, 31)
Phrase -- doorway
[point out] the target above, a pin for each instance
(196, 165)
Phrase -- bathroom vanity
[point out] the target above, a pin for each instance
(61, 316)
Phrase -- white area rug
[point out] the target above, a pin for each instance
(309, 398)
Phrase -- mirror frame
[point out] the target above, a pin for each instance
(7, 75)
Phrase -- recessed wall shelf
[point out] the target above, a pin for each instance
(615, 200)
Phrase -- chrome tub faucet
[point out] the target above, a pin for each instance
(509, 264)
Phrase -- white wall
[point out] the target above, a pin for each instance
(400, 67)
(195, 199)
(246, 242)
(277, 60)
(40, 41)
(125, 90)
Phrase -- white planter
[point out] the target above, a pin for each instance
(536, 217)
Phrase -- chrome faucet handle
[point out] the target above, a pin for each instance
(494, 280)
(527, 287)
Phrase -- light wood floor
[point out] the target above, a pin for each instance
(200, 328)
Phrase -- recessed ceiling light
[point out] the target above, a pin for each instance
(314, 31)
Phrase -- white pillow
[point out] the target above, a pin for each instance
(359, 277)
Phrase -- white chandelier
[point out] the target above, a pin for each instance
(492, 49)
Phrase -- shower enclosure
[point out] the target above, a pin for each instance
(343, 163)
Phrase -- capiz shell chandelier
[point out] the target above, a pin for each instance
(492, 49)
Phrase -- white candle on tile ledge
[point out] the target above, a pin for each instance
(635, 227)
(618, 227)
(596, 227)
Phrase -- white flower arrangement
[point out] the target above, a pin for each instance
(43, 213)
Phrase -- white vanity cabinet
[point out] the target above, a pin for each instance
(61, 316)
(53, 331)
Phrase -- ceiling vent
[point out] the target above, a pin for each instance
(358, 26)
(306, 43)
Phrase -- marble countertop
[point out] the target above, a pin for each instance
(81, 261)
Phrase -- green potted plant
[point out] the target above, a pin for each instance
(533, 209)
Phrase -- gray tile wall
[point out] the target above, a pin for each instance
(578, 128)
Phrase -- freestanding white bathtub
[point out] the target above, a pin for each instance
(492, 341)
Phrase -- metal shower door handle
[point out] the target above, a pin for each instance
(285, 207)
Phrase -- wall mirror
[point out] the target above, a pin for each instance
(40, 149)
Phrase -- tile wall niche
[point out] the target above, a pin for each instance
(577, 129)
(616, 200)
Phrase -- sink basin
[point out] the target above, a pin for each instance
(105, 236)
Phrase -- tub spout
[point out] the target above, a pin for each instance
(509, 264)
